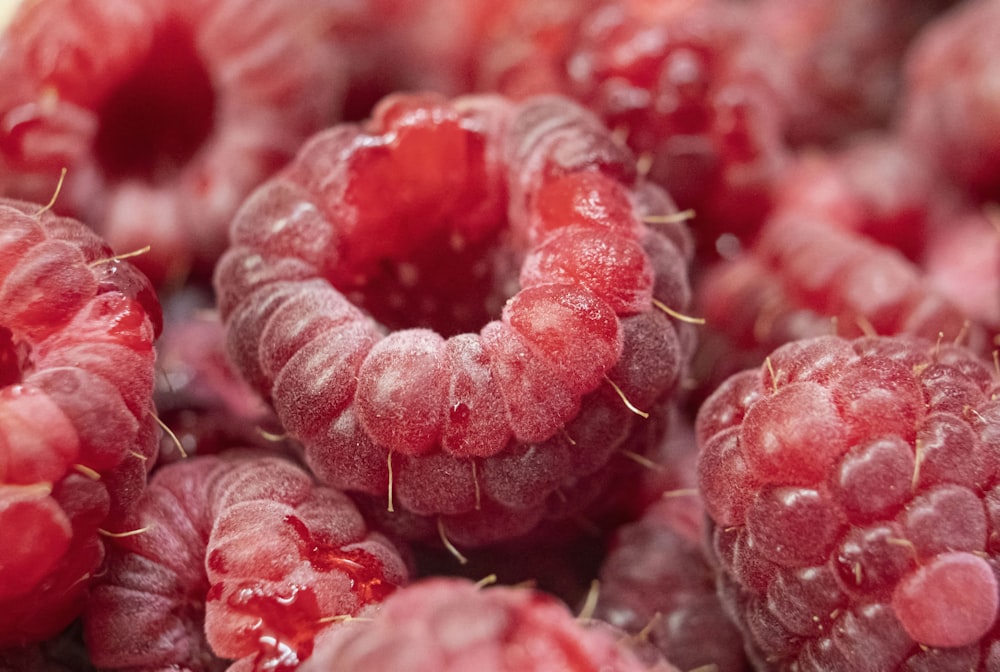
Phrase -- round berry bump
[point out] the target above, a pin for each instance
(77, 431)
(401, 390)
(951, 601)
(177, 121)
(857, 547)
(459, 281)
(475, 406)
(615, 268)
(589, 200)
(794, 434)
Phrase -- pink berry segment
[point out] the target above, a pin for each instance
(434, 292)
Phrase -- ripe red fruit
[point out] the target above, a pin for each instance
(689, 86)
(655, 580)
(165, 114)
(950, 110)
(445, 293)
(852, 489)
(260, 560)
(77, 431)
(199, 395)
(844, 61)
(445, 624)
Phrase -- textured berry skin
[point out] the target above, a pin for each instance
(852, 488)
(950, 110)
(444, 292)
(167, 126)
(260, 559)
(77, 431)
(446, 624)
(656, 576)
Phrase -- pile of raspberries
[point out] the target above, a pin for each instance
(514, 336)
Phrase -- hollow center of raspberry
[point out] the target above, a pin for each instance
(11, 357)
(448, 285)
(155, 121)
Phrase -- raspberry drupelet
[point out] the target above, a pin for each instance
(164, 114)
(77, 427)
(852, 487)
(453, 305)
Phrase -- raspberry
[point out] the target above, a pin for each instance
(77, 431)
(950, 109)
(875, 185)
(199, 396)
(452, 624)
(168, 125)
(851, 487)
(841, 275)
(845, 60)
(807, 275)
(360, 278)
(261, 559)
(689, 86)
(655, 579)
(962, 260)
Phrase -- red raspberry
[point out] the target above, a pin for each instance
(77, 431)
(852, 491)
(260, 560)
(166, 114)
(845, 60)
(655, 581)
(445, 624)
(689, 86)
(815, 269)
(199, 395)
(962, 260)
(875, 185)
(950, 110)
(820, 272)
(435, 218)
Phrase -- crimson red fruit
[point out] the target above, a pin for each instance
(77, 429)
(241, 556)
(689, 86)
(165, 114)
(950, 110)
(444, 624)
(852, 487)
(443, 302)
